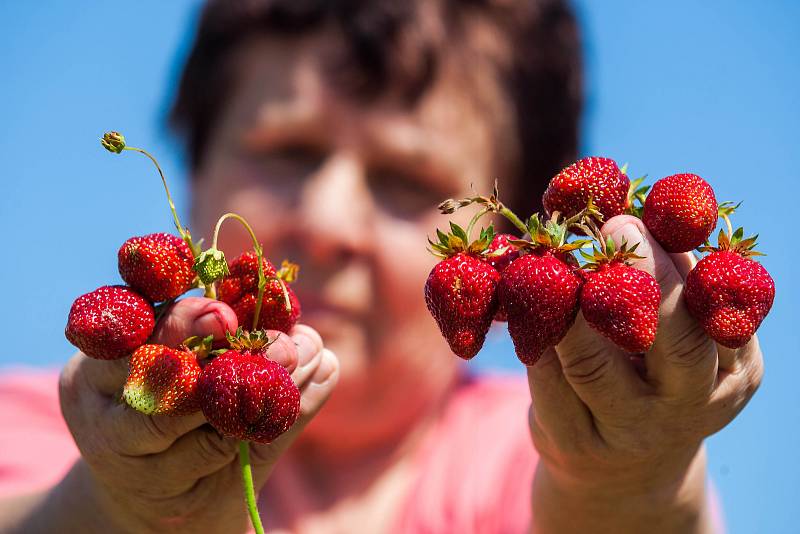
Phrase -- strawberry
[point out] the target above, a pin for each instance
(461, 290)
(729, 293)
(110, 322)
(240, 290)
(159, 266)
(247, 396)
(539, 291)
(620, 301)
(501, 261)
(681, 212)
(595, 178)
(162, 380)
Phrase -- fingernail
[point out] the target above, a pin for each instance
(631, 234)
(326, 367)
(306, 349)
(210, 322)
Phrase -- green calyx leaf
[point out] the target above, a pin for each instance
(457, 241)
(637, 194)
(727, 208)
(253, 340)
(211, 266)
(113, 142)
(288, 271)
(201, 346)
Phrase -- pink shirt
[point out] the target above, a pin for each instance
(474, 471)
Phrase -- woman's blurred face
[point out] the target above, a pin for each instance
(349, 192)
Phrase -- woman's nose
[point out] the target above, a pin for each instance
(335, 210)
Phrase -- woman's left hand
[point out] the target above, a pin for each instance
(620, 438)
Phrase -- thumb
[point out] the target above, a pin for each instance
(194, 316)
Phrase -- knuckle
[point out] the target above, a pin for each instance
(587, 368)
(156, 428)
(689, 348)
(213, 448)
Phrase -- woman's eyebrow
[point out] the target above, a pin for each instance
(279, 122)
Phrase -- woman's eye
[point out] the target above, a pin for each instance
(401, 195)
(291, 163)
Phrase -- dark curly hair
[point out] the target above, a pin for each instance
(388, 45)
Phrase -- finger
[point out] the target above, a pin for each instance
(736, 385)
(597, 370)
(194, 316)
(313, 395)
(683, 360)
(105, 377)
(194, 455)
(558, 414)
(684, 262)
(133, 433)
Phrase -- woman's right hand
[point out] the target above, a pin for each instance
(160, 473)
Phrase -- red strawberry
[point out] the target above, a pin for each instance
(110, 322)
(159, 266)
(461, 289)
(729, 293)
(680, 212)
(247, 396)
(240, 291)
(162, 380)
(621, 302)
(461, 295)
(539, 293)
(501, 261)
(595, 178)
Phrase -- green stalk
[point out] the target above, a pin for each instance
(511, 216)
(262, 278)
(475, 218)
(181, 230)
(249, 489)
(244, 446)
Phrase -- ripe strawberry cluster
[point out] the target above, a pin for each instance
(242, 393)
(537, 284)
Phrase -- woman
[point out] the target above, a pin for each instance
(335, 129)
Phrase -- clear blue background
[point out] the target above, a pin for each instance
(710, 87)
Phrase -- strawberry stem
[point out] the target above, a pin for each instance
(475, 218)
(262, 278)
(249, 490)
(511, 216)
(181, 230)
(728, 224)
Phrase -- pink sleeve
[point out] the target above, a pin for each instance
(37, 448)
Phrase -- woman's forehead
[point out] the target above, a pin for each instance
(285, 97)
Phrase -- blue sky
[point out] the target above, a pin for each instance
(708, 87)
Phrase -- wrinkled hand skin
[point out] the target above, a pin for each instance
(623, 433)
(159, 473)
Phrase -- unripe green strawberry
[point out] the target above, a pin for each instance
(162, 381)
(159, 266)
(110, 322)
